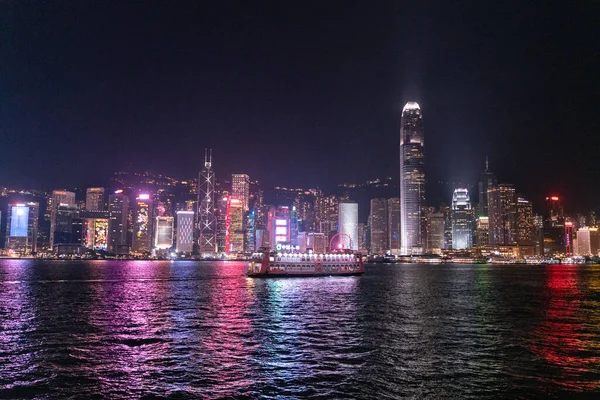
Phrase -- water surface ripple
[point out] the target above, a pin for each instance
(138, 329)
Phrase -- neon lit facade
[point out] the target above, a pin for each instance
(95, 233)
(412, 180)
(143, 224)
(279, 226)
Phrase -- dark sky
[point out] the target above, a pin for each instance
(301, 93)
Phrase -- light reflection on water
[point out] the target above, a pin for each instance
(195, 329)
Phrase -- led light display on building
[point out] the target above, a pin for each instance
(142, 220)
(19, 221)
(100, 233)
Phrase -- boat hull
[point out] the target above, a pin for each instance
(301, 275)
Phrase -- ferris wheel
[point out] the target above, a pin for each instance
(340, 241)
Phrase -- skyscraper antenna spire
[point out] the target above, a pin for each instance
(487, 164)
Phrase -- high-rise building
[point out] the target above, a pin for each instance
(462, 225)
(163, 233)
(502, 218)
(22, 228)
(94, 199)
(235, 226)
(435, 232)
(240, 189)
(326, 213)
(482, 231)
(487, 181)
(317, 242)
(447, 212)
(412, 180)
(143, 222)
(524, 222)
(584, 247)
(302, 241)
(393, 230)
(95, 233)
(362, 238)
(185, 231)
(222, 221)
(294, 226)
(58, 197)
(250, 231)
(207, 221)
(118, 210)
(279, 226)
(554, 227)
(68, 228)
(379, 226)
(348, 221)
(594, 240)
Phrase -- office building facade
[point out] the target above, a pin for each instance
(412, 180)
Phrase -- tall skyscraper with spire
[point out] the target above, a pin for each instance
(412, 180)
(207, 222)
(487, 182)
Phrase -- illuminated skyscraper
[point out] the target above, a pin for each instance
(143, 221)
(185, 231)
(554, 227)
(279, 226)
(95, 233)
(487, 181)
(207, 222)
(222, 221)
(22, 228)
(393, 229)
(462, 221)
(163, 233)
(482, 231)
(250, 231)
(435, 232)
(58, 197)
(294, 226)
(348, 221)
(240, 189)
(118, 209)
(379, 225)
(502, 215)
(583, 247)
(524, 222)
(235, 225)
(412, 180)
(94, 199)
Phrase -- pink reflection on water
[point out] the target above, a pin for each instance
(229, 338)
(563, 341)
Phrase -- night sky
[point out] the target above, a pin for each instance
(301, 93)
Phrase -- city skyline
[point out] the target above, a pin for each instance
(143, 101)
